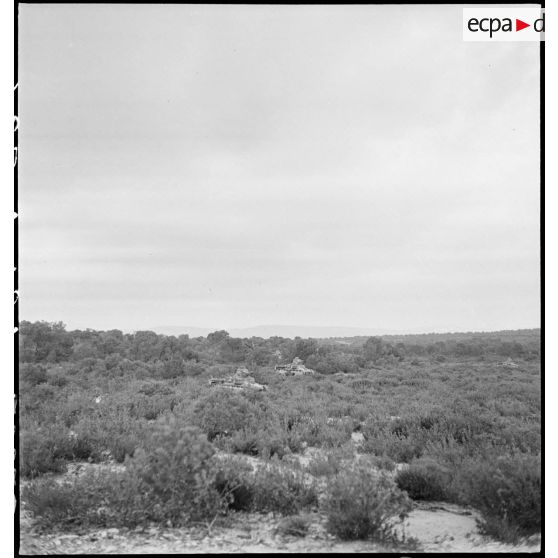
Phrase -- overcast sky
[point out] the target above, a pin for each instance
(228, 166)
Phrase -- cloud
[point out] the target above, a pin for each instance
(357, 166)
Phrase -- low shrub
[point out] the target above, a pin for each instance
(232, 481)
(282, 490)
(335, 436)
(176, 470)
(507, 492)
(424, 480)
(150, 407)
(222, 412)
(172, 480)
(48, 449)
(152, 388)
(122, 445)
(361, 503)
(83, 446)
(60, 504)
(400, 450)
(44, 451)
(95, 436)
(382, 462)
(193, 368)
(265, 443)
(325, 465)
(271, 488)
(239, 442)
(294, 526)
(57, 379)
(32, 374)
(295, 443)
(317, 433)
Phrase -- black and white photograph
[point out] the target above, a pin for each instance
(278, 278)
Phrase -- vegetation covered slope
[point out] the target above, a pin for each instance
(461, 410)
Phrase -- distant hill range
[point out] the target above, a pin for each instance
(266, 331)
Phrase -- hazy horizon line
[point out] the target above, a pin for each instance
(356, 330)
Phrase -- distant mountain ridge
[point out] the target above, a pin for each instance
(287, 331)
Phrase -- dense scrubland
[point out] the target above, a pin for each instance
(460, 411)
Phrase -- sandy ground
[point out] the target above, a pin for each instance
(438, 527)
(443, 528)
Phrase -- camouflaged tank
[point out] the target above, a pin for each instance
(239, 381)
(296, 368)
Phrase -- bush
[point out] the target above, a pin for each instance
(265, 443)
(361, 503)
(44, 451)
(172, 479)
(271, 444)
(325, 465)
(83, 446)
(382, 462)
(151, 407)
(424, 480)
(239, 442)
(317, 433)
(295, 526)
(59, 504)
(232, 480)
(176, 470)
(32, 374)
(96, 498)
(193, 368)
(334, 436)
(282, 490)
(155, 388)
(400, 450)
(271, 488)
(122, 445)
(222, 412)
(57, 379)
(507, 492)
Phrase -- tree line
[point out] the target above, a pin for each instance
(46, 342)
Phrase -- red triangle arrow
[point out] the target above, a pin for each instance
(519, 25)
